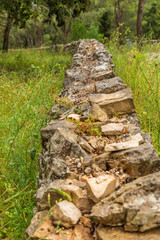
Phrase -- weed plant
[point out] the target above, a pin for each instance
(140, 70)
(29, 82)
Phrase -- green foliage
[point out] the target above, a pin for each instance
(79, 31)
(93, 32)
(66, 8)
(152, 21)
(19, 11)
(64, 194)
(28, 82)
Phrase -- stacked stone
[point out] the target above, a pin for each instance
(93, 170)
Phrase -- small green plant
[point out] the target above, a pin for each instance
(88, 127)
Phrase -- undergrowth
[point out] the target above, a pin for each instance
(29, 82)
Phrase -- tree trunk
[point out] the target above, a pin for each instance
(140, 19)
(6, 33)
(66, 31)
(118, 16)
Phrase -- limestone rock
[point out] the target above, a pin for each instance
(134, 142)
(75, 117)
(88, 160)
(135, 206)
(48, 131)
(102, 75)
(66, 213)
(110, 85)
(137, 161)
(41, 228)
(85, 145)
(120, 102)
(100, 187)
(112, 129)
(93, 141)
(108, 233)
(98, 113)
(74, 188)
(62, 142)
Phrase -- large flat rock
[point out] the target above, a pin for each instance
(119, 103)
(106, 233)
(138, 161)
(135, 206)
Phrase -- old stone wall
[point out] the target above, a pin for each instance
(96, 158)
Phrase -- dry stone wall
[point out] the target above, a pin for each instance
(92, 152)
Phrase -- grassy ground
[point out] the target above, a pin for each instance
(140, 70)
(29, 82)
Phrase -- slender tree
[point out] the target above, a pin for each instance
(18, 12)
(118, 10)
(140, 14)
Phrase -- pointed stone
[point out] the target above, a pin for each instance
(100, 187)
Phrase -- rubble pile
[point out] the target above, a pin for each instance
(99, 175)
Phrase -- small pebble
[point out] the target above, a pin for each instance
(79, 165)
(88, 170)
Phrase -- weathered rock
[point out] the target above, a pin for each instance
(137, 161)
(74, 188)
(98, 113)
(100, 187)
(112, 129)
(62, 142)
(74, 117)
(108, 233)
(120, 102)
(57, 110)
(41, 228)
(93, 141)
(48, 131)
(132, 143)
(85, 145)
(135, 206)
(65, 213)
(102, 75)
(88, 160)
(110, 85)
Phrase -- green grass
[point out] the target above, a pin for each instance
(29, 82)
(141, 73)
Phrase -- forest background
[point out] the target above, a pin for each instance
(28, 23)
